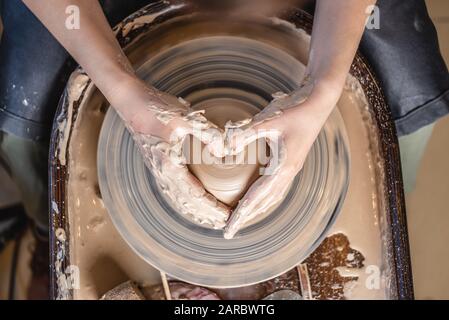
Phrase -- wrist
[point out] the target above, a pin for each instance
(128, 95)
(321, 100)
(117, 85)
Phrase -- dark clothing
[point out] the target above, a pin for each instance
(34, 69)
(405, 56)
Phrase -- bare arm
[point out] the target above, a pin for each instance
(337, 30)
(93, 45)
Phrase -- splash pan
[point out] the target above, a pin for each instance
(203, 67)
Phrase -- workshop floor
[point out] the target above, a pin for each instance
(427, 203)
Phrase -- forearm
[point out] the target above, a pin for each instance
(338, 28)
(93, 46)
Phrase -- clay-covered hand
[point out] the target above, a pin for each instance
(159, 124)
(290, 124)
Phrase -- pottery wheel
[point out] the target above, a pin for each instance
(231, 78)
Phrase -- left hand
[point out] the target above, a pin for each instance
(292, 124)
(159, 123)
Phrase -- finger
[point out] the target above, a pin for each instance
(264, 195)
(189, 196)
(263, 124)
(237, 141)
(196, 125)
(213, 139)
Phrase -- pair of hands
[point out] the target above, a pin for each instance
(291, 122)
(338, 27)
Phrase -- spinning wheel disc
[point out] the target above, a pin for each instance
(202, 71)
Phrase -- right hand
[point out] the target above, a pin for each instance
(290, 124)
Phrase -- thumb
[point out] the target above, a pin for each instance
(237, 139)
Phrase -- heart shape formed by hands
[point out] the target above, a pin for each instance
(244, 138)
(206, 189)
(229, 175)
(226, 178)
